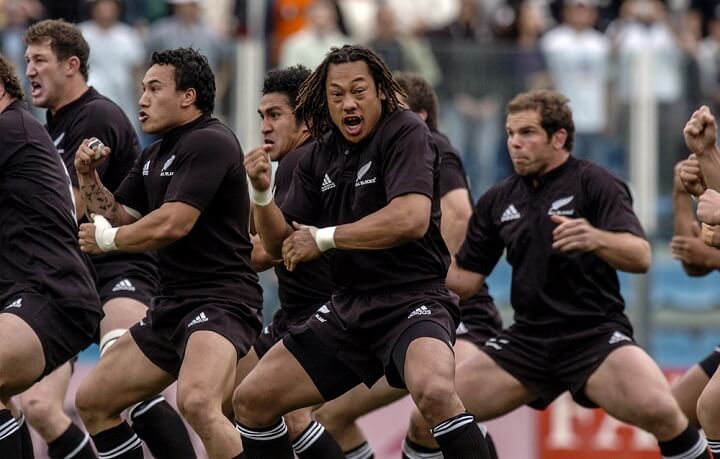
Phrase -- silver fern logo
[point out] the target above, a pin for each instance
(361, 173)
(164, 172)
(556, 206)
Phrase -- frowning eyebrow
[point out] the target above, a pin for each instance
(355, 80)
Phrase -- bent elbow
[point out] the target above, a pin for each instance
(414, 226)
(174, 231)
(643, 260)
(416, 231)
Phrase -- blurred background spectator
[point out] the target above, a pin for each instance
(117, 55)
(309, 45)
(186, 26)
(579, 60)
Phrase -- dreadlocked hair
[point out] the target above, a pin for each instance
(312, 104)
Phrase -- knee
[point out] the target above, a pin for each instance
(251, 406)
(198, 406)
(661, 416)
(432, 397)
(333, 420)
(88, 405)
(38, 410)
(297, 422)
(707, 409)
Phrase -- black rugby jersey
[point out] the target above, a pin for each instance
(551, 288)
(309, 285)
(94, 115)
(200, 164)
(339, 183)
(453, 177)
(39, 249)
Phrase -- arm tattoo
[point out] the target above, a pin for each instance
(99, 200)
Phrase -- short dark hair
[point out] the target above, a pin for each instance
(288, 82)
(65, 38)
(312, 100)
(9, 79)
(420, 96)
(191, 71)
(553, 108)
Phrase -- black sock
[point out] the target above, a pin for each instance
(316, 443)
(491, 445)
(119, 442)
(460, 438)
(28, 452)
(72, 441)
(240, 456)
(161, 428)
(363, 451)
(411, 450)
(266, 442)
(688, 445)
(714, 446)
(10, 439)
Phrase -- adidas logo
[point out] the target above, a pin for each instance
(324, 309)
(124, 284)
(617, 337)
(327, 184)
(198, 320)
(511, 213)
(557, 205)
(421, 311)
(15, 304)
(146, 168)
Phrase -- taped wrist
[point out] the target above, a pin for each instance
(325, 238)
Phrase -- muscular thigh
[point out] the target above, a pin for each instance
(278, 384)
(214, 376)
(488, 391)
(21, 355)
(627, 383)
(125, 376)
(464, 350)
(121, 313)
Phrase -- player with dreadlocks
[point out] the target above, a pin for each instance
(371, 187)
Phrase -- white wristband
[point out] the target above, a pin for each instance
(261, 198)
(325, 238)
(104, 234)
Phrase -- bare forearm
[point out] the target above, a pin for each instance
(624, 251)
(99, 200)
(710, 166)
(151, 232)
(463, 282)
(271, 226)
(456, 212)
(683, 215)
(405, 218)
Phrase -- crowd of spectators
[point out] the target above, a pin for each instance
(477, 53)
